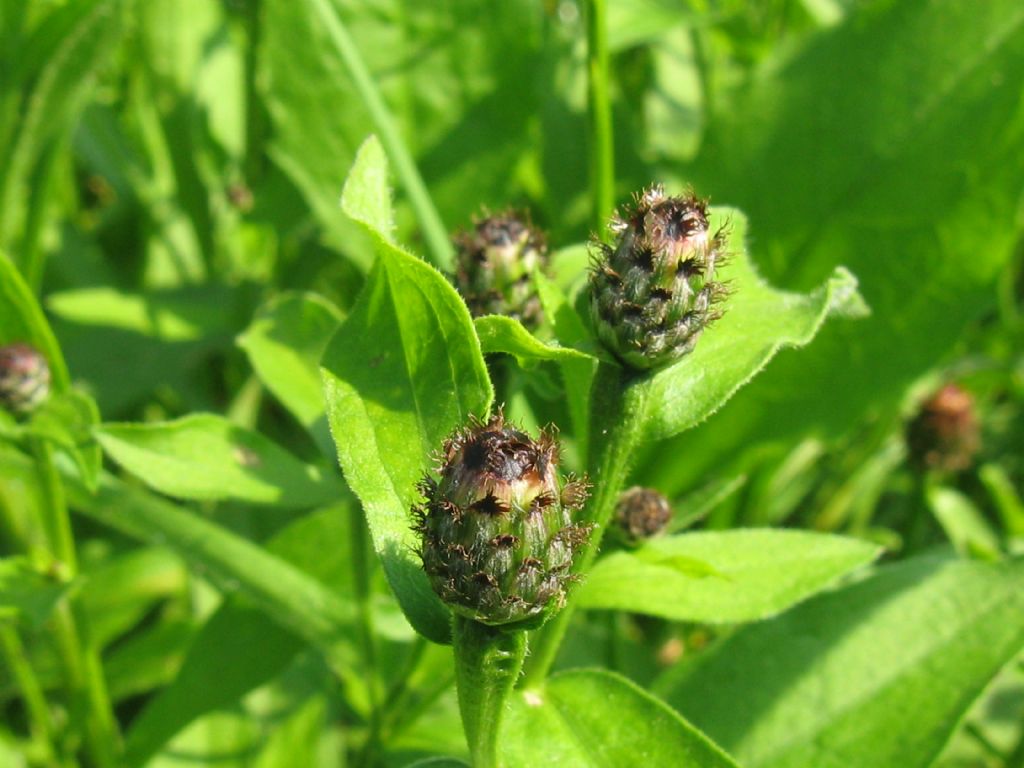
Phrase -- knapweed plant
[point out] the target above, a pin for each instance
(511, 456)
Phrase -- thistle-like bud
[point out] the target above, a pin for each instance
(498, 538)
(494, 264)
(24, 378)
(642, 513)
(944, 435)
(653, 292)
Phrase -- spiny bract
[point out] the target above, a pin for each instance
(495, 262)
(498, 538)
(653, 292)
(24, 378)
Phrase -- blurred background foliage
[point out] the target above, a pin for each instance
(167, 167)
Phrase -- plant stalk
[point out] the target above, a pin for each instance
(487, 664)
(602, 146)
(364, 613)
(618, 405)
(83, 669)
(40, 722)
(434, 231)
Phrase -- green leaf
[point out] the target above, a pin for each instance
(467, 111)
(910, 178)
(728, 576)
(285, 342)
(164, 316)
(594, 718)
(240, 645)
(877, 673)
(25, 593)
(400, 374)
(119, 591)
(51, 72)
(294, 599)
(240, 648)
(758, 321)
(67, 420)
(366, 197)
(698, 504)
(168, 335)
(204, 456)
(506, 334)
(963, 522)
(1004, 497)
(21, 319)
(570, 331)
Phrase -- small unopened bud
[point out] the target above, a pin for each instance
(642, 513)
(24, 378)
(498, 538)
(944, 435)
(653, 292)
(494, 266)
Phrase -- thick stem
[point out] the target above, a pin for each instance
(602, 148)
(405, 167)
(487, 664)
(618, 404)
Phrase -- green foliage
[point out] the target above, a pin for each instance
(592, 717)
(207, 551)
(403, 371)
(26, 594)
(877, 673)
(204, 456)
(730, 576)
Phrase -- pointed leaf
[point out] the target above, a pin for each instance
(204, 456)
(506, 334)
(595, 718)
(285, 342)
(878, 673)
(728, 576)
(21, 319)
(400, 374)
(758, 321)
(366, 197)
(25, 593)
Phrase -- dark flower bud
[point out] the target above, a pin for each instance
(498, 538)
(494, 264)
(642, 513)
(653, 292)
(944, 435)
(24, 378)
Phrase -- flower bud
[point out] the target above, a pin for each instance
(24, 378)
(653, 292)
(642, 513)
(944, 435)
(494, 264)
(498, 538)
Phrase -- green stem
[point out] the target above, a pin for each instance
(55, 521)
(602, 148)
(40, 722)
(364, 617)
(487, 664)
(80, 659)
(618, 404)
(434, 231)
